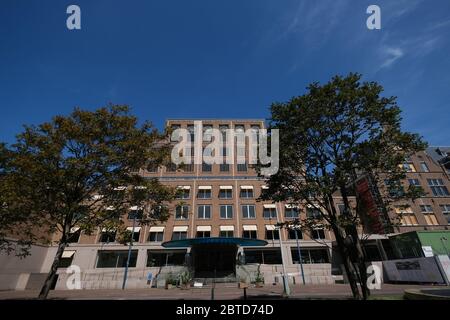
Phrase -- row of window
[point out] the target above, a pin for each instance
(408, 217)
(223, 167)
(271, 234)
(409, 167)
(248, 211)
(436, 186)
(225, 192)
(160, 258)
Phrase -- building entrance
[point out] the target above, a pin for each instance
(214, 260)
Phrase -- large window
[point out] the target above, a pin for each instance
(242, 167)
(246, 193)
(66, 259)
(182, 212)
(268, 256)
(313, 213)
(204, 194)
(156, 236)
(428, 213)
(203, 234)
(226, 193)
(438, 188)
(291, 234)
(179, 235)
(272, 234)
(204, 212)
(248, 211)
(108, 236)
(318, 234)
(269, 213)
(116, 259)
(74, 236)
(414, 182)
(424, 167)
(226, 212)
(291, 212)
(310, 255)
(249, 234)
(407, 216)
(183, 193)
(206, 167)
(409, 167)
(158, 258)
(224, 167)
(226, 233)
(446, 211)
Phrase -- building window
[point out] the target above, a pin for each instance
(174, 137)
(191, 130)
(206, 167)
(248, 211)
(108, 236)
(155, 236)
(242, 167)
(136, 234)
(446, 211)
(66, 259)
(226, 234)
(438, 188)
(267, 256)
(183, 194)
(313, 213)
(318, 234)
(409, 167)
(394, 188)
(249, 234)
(424, 167)
(224, 167)
(291, 234)
(427, 211)
(291, 213)
(269, 213)
(204, 212)
(272, 234)
(414, 182)
(138, 214)
(207, 133)
(407, 216)
(188, 167)
(203, 234)
(341, 208)
(246, 193)
(182, 212)
(223, 129)
(179, 235)
(204, 194)
(226, 212)
(74, 236)
(226, 193)
(116, 259)
(310, 256)
(165, 258)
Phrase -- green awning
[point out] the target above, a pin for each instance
(183, 243)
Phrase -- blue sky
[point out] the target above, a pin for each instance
(221, 59)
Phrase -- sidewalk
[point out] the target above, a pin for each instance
(337, 291)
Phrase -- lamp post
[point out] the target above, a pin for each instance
(299, 255)
(286, 288)
(129, 252)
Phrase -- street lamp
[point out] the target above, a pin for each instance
(286, 288)
(299, 255)
(129, 252)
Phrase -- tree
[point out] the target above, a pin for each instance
(84, 170)
(332, 136)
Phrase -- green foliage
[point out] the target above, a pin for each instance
(185, 277)
(259, 277)
(81, 170)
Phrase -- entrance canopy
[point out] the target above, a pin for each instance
(183, 243)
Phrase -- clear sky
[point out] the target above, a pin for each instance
(218, 58)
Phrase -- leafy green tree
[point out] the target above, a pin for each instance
(332, 136)
(84, 170)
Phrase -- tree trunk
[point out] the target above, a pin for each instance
(52, 274)
(348, 265)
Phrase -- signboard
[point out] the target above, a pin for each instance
(372, 219)
(427, 251)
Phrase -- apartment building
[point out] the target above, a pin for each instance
(220, 229)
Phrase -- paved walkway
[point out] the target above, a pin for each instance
(337, 291)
